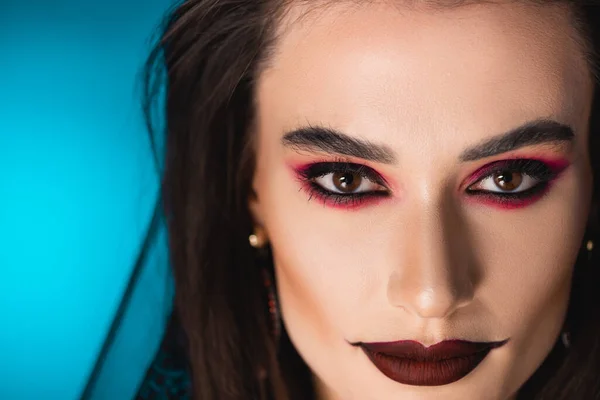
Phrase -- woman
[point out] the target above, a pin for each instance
(418, 177)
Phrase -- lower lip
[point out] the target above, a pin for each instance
(426, 373)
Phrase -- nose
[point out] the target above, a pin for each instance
(434, 277)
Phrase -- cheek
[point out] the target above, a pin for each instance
(528, 294)
(323, 273)
(317, 287)
(527, 265)
(528, 255)
(527, 275)
(318, 280)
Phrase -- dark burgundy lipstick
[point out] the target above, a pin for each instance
(411, 363)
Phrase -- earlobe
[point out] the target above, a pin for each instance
(259, 238)
(254, 206)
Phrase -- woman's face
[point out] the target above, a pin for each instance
(423, 176)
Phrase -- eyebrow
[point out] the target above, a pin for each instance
(529, 134)
(316, 138)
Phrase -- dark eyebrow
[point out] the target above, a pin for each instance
(334, 142)
(331, 141)
(531, 133)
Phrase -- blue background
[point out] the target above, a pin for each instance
(78, 188)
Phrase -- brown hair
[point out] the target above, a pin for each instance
(207, 58)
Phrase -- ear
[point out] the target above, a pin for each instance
(594, 216)
(255, 208)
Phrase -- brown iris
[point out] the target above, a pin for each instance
(507, 180)
(346, 182)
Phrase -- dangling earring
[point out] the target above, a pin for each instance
(273, 305)
(259, 240)
(566, 336)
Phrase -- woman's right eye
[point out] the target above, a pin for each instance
(341, 183)
(348, 183)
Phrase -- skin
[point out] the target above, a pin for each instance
(428, 262)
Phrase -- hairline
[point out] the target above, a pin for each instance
(281, 19)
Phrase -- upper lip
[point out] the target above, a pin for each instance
(445, 350)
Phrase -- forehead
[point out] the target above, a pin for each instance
(382, 67)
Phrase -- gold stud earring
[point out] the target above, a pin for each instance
(589, 245)
(258, 239)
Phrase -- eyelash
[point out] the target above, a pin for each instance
(538, 170)
(308, 174)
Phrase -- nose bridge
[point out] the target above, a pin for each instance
(434, 277)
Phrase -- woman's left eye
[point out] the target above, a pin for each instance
(513, 178)
(506, 182)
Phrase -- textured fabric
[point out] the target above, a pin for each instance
(168, 377)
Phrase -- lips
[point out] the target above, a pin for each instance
(411, 363)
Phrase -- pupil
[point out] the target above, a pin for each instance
(346, 182)
(508, 180)
(506, 177)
